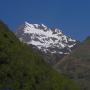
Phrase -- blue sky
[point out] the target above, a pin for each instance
(72, 16)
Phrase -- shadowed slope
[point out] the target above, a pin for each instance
(77, 65)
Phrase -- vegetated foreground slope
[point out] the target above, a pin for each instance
(77, 65)
(22, 69)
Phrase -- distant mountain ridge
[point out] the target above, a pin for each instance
(48, 41)
(45, 39)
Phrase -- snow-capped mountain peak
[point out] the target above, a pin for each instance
(45, 39)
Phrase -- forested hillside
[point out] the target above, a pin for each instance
(23, 69)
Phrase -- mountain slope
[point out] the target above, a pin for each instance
(22, 69)
(77, 65)
(49, 41)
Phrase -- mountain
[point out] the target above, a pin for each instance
(77, 65)
(51, 42)
(23, 69)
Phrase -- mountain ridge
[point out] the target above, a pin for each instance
(52, 43)
(77, 64)
(44, 38)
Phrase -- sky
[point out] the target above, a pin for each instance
(71, 16)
